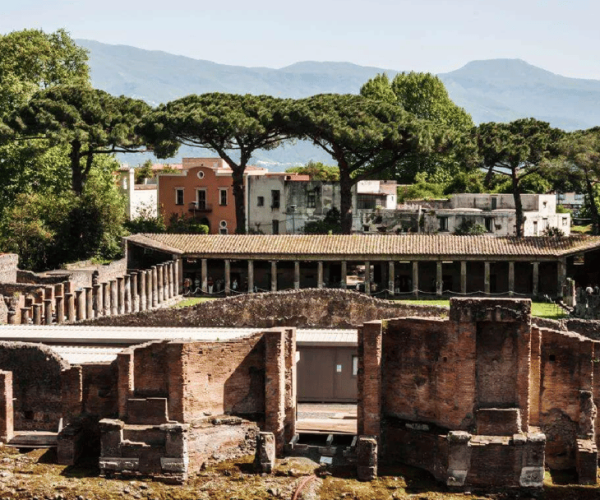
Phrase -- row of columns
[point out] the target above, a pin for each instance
(133, 292)
(391, 275)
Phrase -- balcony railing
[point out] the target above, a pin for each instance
(200, 207)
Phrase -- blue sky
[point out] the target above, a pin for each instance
(423, 35)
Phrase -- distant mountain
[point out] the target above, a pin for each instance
(493, 90)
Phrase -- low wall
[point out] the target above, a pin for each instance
(309, 308)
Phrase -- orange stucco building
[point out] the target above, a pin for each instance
(203, 190)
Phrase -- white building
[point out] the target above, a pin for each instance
(141, 198)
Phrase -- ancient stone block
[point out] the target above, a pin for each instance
(147, 411)
(366, 458)
(264, 459)
(587, 461)
(498, 421)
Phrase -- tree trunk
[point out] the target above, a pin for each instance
(77, 177)
(239, 198)
(518, 204)
(593, 207)
(346, 203)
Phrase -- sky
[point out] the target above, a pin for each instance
(422, 35)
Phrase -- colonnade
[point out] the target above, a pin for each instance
(133, 292)
(561, 275)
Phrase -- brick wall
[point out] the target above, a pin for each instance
(8, 267)
(312, 308)
(37, 383)
(99, 396)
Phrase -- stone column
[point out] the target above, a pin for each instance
(486, 279)
(154, 286)
(344, 274)
(114, 298)
(98, 306)
(159, 283)
(439, 285)
(227, 276)
(60, 309)
(48, 311)
(562, 276)
(250, 276)
(135, 293)
(415, 277)
(127, 296)
(169, 280)
(142, 296)
(463, 277)
(37, 314)
(125, 381)
(273, 275)
(536, 278)
(367, 277)
(320, 274)
(275, 385)
(370, 337)
(80, 308)
(511, 278)
(149, 289)
(204, 275)
(391, 280)
(296, 275)
(179, 276)
(89, 302)
(106, 298)
(6, 406)
(25, 315)
(121, 294)
(12, 317)
(70, 300)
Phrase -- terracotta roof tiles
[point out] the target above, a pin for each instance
(365, 245)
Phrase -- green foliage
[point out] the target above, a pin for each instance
(233, 126)
(560, 209)
(422, 189)
(470, 228)
(317, 171)
(331, 224)
(87, 120)
(553, 232)
(146, 222)
(48, 230)
(424, 96)
(184, 224)
(531, 184)
(466, 182)
(516, 150)
(143, 172)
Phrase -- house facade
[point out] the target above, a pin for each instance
(202, 190)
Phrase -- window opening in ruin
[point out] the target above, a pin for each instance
(275, 198)
(443, 223)
(552, 358)
(275, 226)
(179, 196)
(261, 201)
(311, 199)
(489, 226)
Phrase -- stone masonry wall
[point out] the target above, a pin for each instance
(8, 267)
(37, 381)
(309, 308)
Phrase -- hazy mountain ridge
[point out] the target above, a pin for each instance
(490, 90)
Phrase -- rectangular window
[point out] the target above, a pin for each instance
(201, 199)
(275, 227)
(311, 199)
(443, 223)
(354, 366)
(275, 195)
(179, 196)
(489, 226)
(222, 230)
(261, 201)
(223, 197)
(564, 221)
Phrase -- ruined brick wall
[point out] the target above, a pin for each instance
(37, 383)
(8, 267)
(224, 377)
(429, 372)
(31, 278)
(566, 366)
(310, 308)
(100, 389)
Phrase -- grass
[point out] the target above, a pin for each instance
(192, 301)
(582, 229)
(539, 309)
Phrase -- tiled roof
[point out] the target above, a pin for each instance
(365, 245)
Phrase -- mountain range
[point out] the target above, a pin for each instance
(491, 90)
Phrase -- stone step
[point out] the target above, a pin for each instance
(33, 439)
